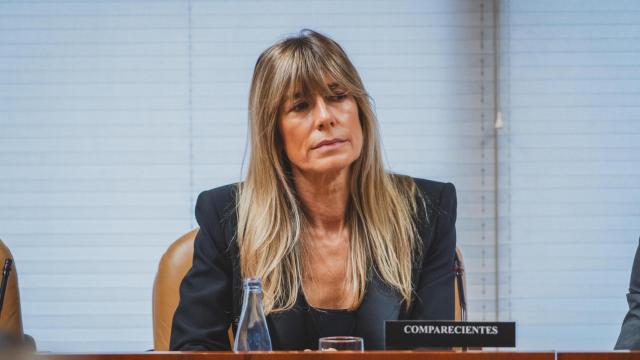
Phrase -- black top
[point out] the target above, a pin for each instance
(211, 292)
(330, 322)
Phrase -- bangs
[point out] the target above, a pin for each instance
(313, 72)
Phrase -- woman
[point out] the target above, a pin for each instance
(340, 244)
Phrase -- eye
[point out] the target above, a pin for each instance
(299, 106)
(338, 97)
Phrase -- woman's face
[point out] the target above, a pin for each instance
(321, 134)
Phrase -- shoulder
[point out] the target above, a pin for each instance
(439, 197)
(219, 199)
(434, 189)
(634, 284)
(216, 208)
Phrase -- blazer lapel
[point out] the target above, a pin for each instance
(380, 303)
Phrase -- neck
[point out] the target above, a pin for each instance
(324, 198)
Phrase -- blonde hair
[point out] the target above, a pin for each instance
(271, 222)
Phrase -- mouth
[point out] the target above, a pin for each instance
(328, 143)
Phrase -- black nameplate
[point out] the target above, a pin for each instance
(414, 334)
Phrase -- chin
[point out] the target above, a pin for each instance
(327, 166)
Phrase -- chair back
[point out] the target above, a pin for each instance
(11, 317)
(173, 266)
(460, 288)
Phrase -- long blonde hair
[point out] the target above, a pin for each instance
(271, 222)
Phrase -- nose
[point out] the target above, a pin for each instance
(322, 114)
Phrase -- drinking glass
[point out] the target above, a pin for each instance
(341, 343)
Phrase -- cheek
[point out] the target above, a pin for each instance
(355, 128)
(293, 139)
(358, 139)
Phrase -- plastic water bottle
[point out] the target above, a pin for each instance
(252, 333)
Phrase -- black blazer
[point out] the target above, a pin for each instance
(630, 333)
(211, 292)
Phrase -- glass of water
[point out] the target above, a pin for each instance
(341, 343)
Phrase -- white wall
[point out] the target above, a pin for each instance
(114, 115)
(569, 168)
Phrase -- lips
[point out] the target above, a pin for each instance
(328, 142)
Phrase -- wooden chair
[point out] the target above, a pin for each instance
(173, 266)
(11, 317)
(460, 283)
